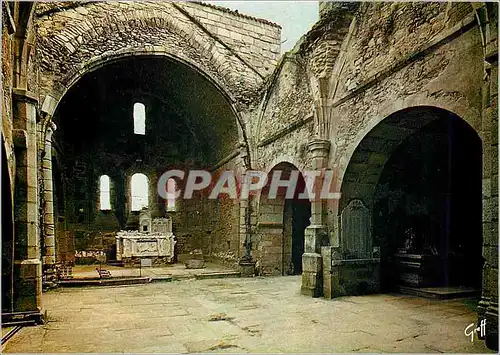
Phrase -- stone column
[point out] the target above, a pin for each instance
(49, 257)
(316, 235)
(27, 264)
(246, 264)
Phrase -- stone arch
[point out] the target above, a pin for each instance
(408, 175)
(281, 226)
(89, 40)
(52, 100)
(467, 114)
(25, 39)
(285, 159)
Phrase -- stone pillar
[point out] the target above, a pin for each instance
(488, 305)
(155, 200)
(246, 263)
(118, 248)
(49, 257)
(316, 235)
(27, 264)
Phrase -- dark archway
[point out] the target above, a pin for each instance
(419, 174)
(7, 237)
(184, 122)
(282, 224)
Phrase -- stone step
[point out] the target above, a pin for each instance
(440, 293)
(112, 281)
(115, 281)
(217, 275)
(167, 278)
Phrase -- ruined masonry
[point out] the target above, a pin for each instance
(396, 101)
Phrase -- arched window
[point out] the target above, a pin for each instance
(104, 193)
(171, 187)
(139, 118)
(139, 191)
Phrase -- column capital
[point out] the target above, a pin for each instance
(319, 147)
(51, 127)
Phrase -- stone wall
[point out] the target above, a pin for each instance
(446, 73)
(257, 41)
(20, 161)
(7, 85)
(488, 306)
(282, 123)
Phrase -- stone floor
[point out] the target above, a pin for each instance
(178, 270)
(243, 315)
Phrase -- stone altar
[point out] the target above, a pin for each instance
(154, 240)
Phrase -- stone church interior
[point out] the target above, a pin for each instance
(385, 115)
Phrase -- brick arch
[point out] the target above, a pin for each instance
(87, 41)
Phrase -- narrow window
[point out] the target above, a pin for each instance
(171, 187)
(139, 191)
(139, 118)
(105, 193)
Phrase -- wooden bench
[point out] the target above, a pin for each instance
(103, 274)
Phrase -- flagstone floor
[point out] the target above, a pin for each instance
(258, 315)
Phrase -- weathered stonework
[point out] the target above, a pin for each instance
(356, 87)
(76, 39)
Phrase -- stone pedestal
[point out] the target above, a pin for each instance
(312, 277)
(348, 276)
(331, 274)
(417, 270)
(312, 265)
(29, 287)
(315, 236)
(246, 267)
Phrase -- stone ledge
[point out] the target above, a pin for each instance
(22, 318)
(355, 262)
(270, 225)
(24, 95)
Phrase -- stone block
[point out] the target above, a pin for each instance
(26, 299)
(358, 277)
(315, 237)
(194, 264)
(312, 284)
(29, 269)
(326, 254)
(247, 268)
(312, 262)
(28, 288)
